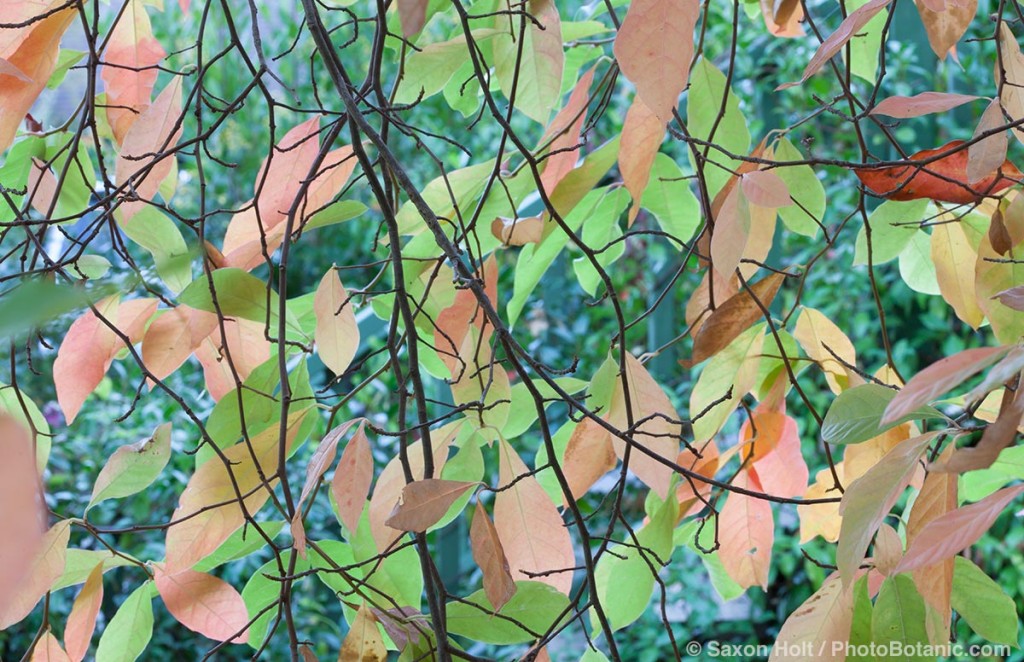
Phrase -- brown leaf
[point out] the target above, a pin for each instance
(425, 502)
(998, 234)
(588, 456)
(782, 18)
(943, 179)
(490, 557)
(946, 26)
(997, 436)
(352, 478)
(734, 317)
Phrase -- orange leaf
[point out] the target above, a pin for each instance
(564, 135)
(204, 604)
(129, 67)
(642, 133)
(23, 515)
(47, 567)
(490, 557)
(32, 51)
(352, 478)
(656, 427)
(318, 464)
(654, 49)
(48, 649)
(746, 533)
(817, 625)
(82, 620)
(588, 456)
(950, 534)
(693, 493)
(783, 18)
(518, 231)
(425, 502)
(247, 347)
(173, 337)
(529, 526)
(943, 179)
(766, 189)
(781, 468)
(945, 26)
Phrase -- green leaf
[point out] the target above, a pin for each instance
(129, 631)
(860, 628)
(35, 302)
(523, 411)
(704, 113)
(239, 294)
(535, 605)
(15, 170)
(133, 467)
(856, 415)
(1009, 466)
(865, 44)
(916, 265)
(399, 575)
(893, 225)
(427, 70)
(668, 196)
(11, 404)
(242, 542)
(632, 565)
(260, 592)
(157, 233)
(80, 562)
(804, 188)
(983, 604)
(66, 59)
(720, 374)
(339, 554)
(338, 212)
(898, 617)
(599, 232)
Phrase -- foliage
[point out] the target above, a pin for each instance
(559, 280)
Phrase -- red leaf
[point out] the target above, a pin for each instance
(352, 478)
(955, 531)
(943, 179)
(425, 502)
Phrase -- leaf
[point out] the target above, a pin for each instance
(82, 620)
(957, 530)
(642, 134)
(83, 358)
(869, 499)
(994, 275)
(856, 415)
(589, 454)
(706, 120)
(24, 513)
(939, 378)
(924, 103)
(898, 618)
(129, 68)
(783, 18)
(997, 436)
(668, 196)
(337, 333)
(654, 423)
(782, 470)
(33, 52)
(529, 526)
(1012, 298)
(425, 502)
(888, 549)
(518, 231)
(983, 604)
(200, 529)
(765, 188)
(734, 316)
(133, 467)
(563, 136)
(173, 336)
(985, 156)
(824, 342)
(723, 381)
(538, 70)
(945, 27)
(1009, 77)
(821, 621)
(413, 14)
(352, 477)
(204, 604)
(940, 178)
(535, 608)
(849, 28)
(955, 260)
(129, 631)
(746, 534)
(47, 649)
(146, 156)
(318, 464)
(490, 558)
(893, 226)
(654, 49)
(47, 566)
(805, 215)
(363, 642)
(636, 564)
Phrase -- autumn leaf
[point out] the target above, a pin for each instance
(82, 620)
(490, 558)
(129, 68)
(337, 332)
(746, 534)
(939, 178)
(642, 133)
(23, 516)
(46, 567)
(734, 316)
(654, 49)
(363, 642)
(588, 456)
(821, 621)
(424, 503)
(924, 103)
(352, 477)
(204, 604)
(48, 649)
